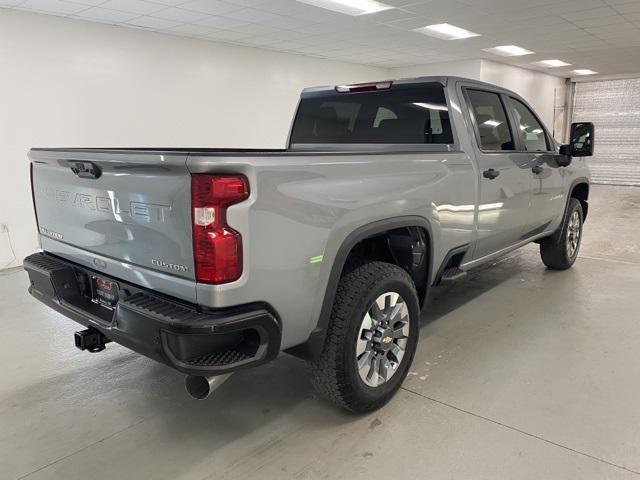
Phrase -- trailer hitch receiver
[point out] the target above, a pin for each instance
(90, 339)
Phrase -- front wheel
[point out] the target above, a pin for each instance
(371, 337)
(560, 251)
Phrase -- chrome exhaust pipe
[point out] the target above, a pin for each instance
(201, 387)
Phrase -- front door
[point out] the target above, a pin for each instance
(538, 152)
(505, 175)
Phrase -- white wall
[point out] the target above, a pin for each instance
(465, 68)
(72, 83)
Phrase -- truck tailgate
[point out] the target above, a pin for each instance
(129, 206)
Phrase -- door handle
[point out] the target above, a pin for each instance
(537, 169)
(490, 174)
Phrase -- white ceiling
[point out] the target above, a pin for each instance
(602, 35)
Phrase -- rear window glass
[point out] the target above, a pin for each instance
(402, 114)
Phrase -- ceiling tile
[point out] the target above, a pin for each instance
(582, 14)
(179, 15)
(226, 35)
(56, 7)
(290, 7)
(607, 29)
(633, 7)
(168, 3)
(283, 35)
(85, 2)
(190, 29)
(409, 24)
(105, 15)
(152, 22)
(599, 34)
(220, 22)
(251, 15)
(255, 29)
(250, 3)
(212, 7)
(567, 7)
(263, 40)
(134, 6)
(288, 23)
(599, 21)
(401, 3)
(386, 16)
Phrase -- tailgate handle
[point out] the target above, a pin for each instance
(85, 169)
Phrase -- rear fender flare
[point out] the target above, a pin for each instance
(313, 346)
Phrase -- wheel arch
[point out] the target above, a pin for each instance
(366, 233)
(580, 190)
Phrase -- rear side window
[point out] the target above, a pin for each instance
(401, 114)
(529, 128)
(491, 119)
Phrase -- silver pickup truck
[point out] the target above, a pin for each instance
(212, 260)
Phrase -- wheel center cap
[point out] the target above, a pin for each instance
(383, 339)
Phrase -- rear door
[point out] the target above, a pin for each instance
(505, 176)
(129, 208)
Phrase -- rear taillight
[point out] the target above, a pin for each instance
(217, 248)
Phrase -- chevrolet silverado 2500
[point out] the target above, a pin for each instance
(212, 260)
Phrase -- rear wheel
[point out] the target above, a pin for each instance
(560, 251)
(371, 337)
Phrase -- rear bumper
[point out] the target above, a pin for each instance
(181, 335)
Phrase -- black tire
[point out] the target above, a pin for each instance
(554, 250)
(335, 374)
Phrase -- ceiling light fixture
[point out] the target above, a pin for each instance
(349, 7)
(446, 31)
(509, 51)
(552, 63)
(584, 71)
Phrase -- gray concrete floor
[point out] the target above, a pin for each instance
(520, 373)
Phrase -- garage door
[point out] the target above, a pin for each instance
(614, 107)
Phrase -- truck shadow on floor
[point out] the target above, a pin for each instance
(446, 299)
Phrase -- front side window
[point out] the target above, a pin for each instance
(402, 114)
(491, 119)
(529, 128)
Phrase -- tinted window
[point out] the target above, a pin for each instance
(401, 114)
(491, 119)
(529, 128)
(383, 114)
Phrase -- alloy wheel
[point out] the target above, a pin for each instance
(382, 339)
(573, 234)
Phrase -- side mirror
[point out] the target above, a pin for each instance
(580, 140)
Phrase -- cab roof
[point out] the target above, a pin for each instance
(442, 79)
